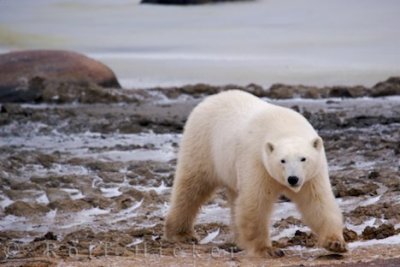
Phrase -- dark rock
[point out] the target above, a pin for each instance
(373, 175)
(343, 189)
(98, 201)
(21, 208)
(46, 160)
(68, 205)
(300, 238)
(388, 211)
(333, 256)
(284, 91)
(12, 108)
(55, 194)
(281, 91)
(346, 91)
(383, 231)
(23, 186)
(304, 239)
(104, 166)
(184, 2)
(83, 234)
(47, 236)
(123, 202)
(47, 181)
(112, 177)
(339, 92)
(286, 222)
(150, 197)
(230, 247)
(23, 73)
(389, 87)
(82, 92)
(349, 235)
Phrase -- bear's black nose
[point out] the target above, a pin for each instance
(293, 180)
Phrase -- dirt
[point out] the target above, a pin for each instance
(85, 180)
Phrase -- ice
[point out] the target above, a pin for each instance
(18, 223)
(288, 232)
(284, 210)
(370, 201)
(136, 241)
(161, 210)
(51, 215)
(392, 240)
(210, 237)
(83, 217)
(159, 190)
(111, 191)
(214, 213)
(73, 193)
(360, 228)
(127, 213)
(350, 203)
(5, 201)
(137, 154)
(42, 199)
(38, 170)
(88, 145)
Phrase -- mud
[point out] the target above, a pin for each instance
(83, 178)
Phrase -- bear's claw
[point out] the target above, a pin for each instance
(335, 245)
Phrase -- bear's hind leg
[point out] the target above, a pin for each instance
(190, 191)
(232, 195)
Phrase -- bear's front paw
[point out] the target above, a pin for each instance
(266, 250)
(335, 244)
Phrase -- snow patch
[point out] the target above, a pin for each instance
(127, 213)
(210, 237)
(392, 240)
(110, 192)
(84, 217)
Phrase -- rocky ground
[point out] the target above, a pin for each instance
(86, 172)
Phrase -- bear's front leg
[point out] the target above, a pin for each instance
(321, 213)
(253, 210)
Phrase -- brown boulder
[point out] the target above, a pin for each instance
(381, 232)
(17, 69)
(389, 87)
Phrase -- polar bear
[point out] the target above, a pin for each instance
(258, 152)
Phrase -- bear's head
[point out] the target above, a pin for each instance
(293, 161)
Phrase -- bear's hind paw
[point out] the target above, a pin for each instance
(266, 251)
(184, 238)
(275, 252)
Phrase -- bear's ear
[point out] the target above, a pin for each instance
(270, 147)
(317, 143)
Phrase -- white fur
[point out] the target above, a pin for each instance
(235, 140)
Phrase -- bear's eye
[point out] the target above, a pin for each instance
(303, 159)
(283, 161)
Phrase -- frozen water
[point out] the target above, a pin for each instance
(210, 237)
(391, 240)
(88, 144)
